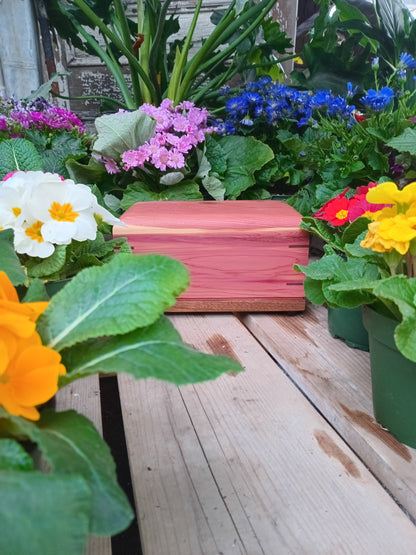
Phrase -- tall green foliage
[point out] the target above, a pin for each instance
(243, 38)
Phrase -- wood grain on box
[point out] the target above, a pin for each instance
(240, 254)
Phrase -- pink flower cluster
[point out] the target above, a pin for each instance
(178, 130)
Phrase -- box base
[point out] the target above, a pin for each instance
(287, 304)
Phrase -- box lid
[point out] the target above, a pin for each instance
(205, 216)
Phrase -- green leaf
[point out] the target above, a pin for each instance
(378, 161)
(155, 351)
(354, 167)
(214, 187)
(70, 444)
(215, 155)
(9, 260)
(354, 229)
(44, 89)
(331, 270)
(186, 190)
(245, 155)
(324, 230)
(171, 178)
(13, 456)
(321, 269)
(313, 291)
(137, 192)
(406, 142)
(399, 289)
(405, 337)
(43, 514)
(130, 291)
(210, 180)
(94, 172)
(36, 292)
(122, 131)
(391, 16)
(347, 12)
(402, 292)
(63, 146)
(140, 192)
(44, 267)
(18, 154)
(357, 251)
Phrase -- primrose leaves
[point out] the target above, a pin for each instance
(18, 154)
(39, 512)
(130, 291)
(155, 351)
(72, 447)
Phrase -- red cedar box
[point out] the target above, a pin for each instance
(240, 253)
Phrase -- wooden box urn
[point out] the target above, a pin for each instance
(240, 253)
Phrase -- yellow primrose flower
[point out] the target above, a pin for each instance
(391, 233)
(389, 193)
(29, 371)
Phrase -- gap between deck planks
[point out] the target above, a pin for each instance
(337, 379)
(246, 464)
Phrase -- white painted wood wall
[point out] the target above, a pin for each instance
(20, 59)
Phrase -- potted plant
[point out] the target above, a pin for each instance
(55, 469)
(337, 223)
(390, 311)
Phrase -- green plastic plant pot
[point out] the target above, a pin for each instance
(347, 324)
(393, 378)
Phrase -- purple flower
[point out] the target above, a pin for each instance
(39, 114)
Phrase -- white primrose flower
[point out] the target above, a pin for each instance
(46, 210)
(28, 239)
(13, 194)
(11, 205)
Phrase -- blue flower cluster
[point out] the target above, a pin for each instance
(267, 102)
(378, 100)
(272, 103)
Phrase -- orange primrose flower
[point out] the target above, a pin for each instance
(29, 371)
(25, 313)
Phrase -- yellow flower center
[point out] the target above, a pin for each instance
(342, 214)
(16, 211)
(34, 232)
(63, 212)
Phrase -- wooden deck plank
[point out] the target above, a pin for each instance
(337, 379)
(84, 397)
(246, 464)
